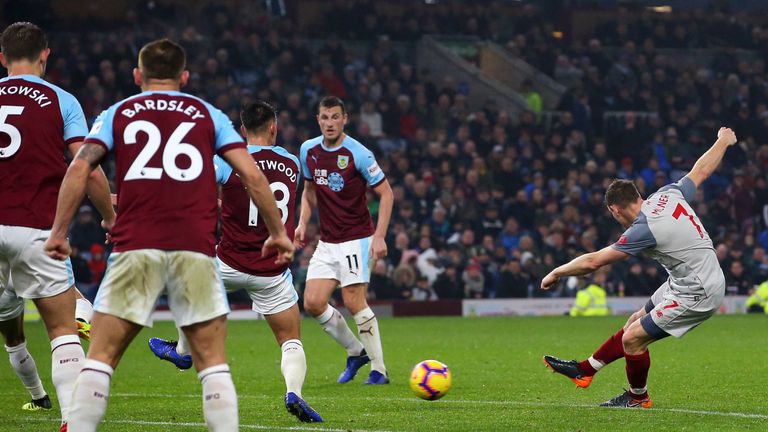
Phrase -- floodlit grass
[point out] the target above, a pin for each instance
(713, 379)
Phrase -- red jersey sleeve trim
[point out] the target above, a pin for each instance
(380, 182)
(74, 140)
(98, 142)
(231, 146)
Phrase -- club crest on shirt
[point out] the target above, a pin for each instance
(336, 182)
(342, 162)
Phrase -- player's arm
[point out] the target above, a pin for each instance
(258, 189)
(308, 202)
(584, 264)
(70, 196)
(710, 160)
(386, 200)
(97, 189)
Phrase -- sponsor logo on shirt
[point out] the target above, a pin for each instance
(336, 182)
(342, 162)
(374, 170)
(321, 177)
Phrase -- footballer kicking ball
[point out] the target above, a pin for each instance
(430, 380)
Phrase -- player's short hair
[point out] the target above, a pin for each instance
(162, 59)
(257, 115)
(330, 102)
(621, 193)
(23, 41)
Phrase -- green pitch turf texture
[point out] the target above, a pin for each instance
(713, 379)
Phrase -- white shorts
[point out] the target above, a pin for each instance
(349, 262)
(675, 313)
(270, 294)
(135, 279)
(35, 274)
(11, 305)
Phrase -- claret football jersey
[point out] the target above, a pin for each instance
(243, 231)
(37, 122)
(342, 176)
(164, 143)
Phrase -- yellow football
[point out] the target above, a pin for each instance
(430, 380)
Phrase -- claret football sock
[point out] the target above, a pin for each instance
(25, 368)
(368, 329)
(66, 360)
(611, 350)
(637, 370)
(90, 396)
(219, 399)
(335, 325)
(293, 365)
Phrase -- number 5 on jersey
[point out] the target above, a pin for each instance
(282, 204)
(10, 130)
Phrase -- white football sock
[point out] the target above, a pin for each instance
(25, 368)
(182, 346)
(335, 325)
(293, 365)
(368, 329)
(90, 396)
(83, 310)
(219, 399)
(67, 359)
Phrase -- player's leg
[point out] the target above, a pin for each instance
(286, 327)
(49, 284)
(83, 315)
(12, 329)
(110, 337)
(206, 341)
(368, 328)
(356, 265)
(67, 354)
(582, 372)
(124, 303)
(199, 306)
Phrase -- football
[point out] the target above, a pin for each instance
(430, 380)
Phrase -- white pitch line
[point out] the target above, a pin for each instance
(481, 402)
(191, 424)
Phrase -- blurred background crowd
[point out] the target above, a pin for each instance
(486, 202)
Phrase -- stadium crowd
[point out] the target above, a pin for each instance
(485, 204)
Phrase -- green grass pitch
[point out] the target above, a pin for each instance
(713, 379)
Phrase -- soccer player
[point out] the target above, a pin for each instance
(666, 228)
(16, 344)
(243, 233)
(39, 122)
(164, 236)
(338, 170)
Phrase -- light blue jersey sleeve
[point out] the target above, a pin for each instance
(225, 132)
(75, 127)
(685, 185)
(223, 170)
(101, 131)
(283, 152)
(303, 158)
(366, 165)
(637, 238)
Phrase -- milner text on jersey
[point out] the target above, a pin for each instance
(34, 94)
(161, 105)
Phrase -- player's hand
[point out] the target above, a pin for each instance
(282, 245)
(727, 135)
(548, 281)
(57, 248)
(108, 225)
(378, 248)
(298, 238)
